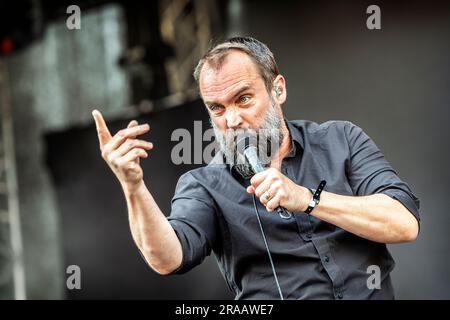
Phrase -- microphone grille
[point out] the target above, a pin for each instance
(246, 140)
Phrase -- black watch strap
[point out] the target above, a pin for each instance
(316, 196)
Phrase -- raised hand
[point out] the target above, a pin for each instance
(123, 151)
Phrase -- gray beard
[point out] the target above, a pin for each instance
(269, 136)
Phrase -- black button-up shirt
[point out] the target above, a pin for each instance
(211, 210)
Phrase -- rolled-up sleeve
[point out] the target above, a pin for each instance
(369, 172)
(193, 217)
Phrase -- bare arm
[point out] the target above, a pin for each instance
(151, 231)
(153, 234)
(376, 217)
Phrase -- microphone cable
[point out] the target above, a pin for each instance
(267, 248)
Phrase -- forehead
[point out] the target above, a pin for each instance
(236, 71)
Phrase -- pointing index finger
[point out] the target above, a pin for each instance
(103, 132)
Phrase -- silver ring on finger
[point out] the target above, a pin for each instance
(267, 196)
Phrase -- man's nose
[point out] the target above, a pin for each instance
(234, 120)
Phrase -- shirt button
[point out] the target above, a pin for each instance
(326, 259)
(340, 295)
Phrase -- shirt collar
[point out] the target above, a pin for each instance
(296, 138)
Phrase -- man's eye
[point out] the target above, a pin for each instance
(214, 107)
(244, 99)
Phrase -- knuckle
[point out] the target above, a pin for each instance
(114, 163)
(276, 185)
(110, 159)
(121, 165)
(258, 192)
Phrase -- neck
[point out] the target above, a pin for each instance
(284, 149)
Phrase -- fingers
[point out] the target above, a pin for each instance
(123, 151)
(275, 189)
(270, 203)
(131, 144)
(261, 176)
(124, 134)
(133, 155)
(277, 196)
(265, 186)
(273, 203)
(104, 136)
(258, 178)
(268, 187)
(263, 181)
(133, 123)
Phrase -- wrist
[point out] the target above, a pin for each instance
(133, 188)
(304, 198)
(315, 196)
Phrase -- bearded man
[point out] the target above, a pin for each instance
(341, 199)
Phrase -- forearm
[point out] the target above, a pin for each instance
(151, 231)
(376, 217)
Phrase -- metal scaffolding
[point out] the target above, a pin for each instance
(12, 271)
(187, 26)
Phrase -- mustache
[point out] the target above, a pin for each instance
(267, 139)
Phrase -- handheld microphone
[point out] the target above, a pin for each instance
(250, 153)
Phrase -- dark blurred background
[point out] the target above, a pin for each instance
(60, 204)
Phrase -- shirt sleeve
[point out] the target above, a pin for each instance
(193, 217)
(369, 172)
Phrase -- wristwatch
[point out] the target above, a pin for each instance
(316, 196)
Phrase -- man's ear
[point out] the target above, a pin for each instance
(279, 89)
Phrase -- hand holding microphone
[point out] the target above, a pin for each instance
(274, 190)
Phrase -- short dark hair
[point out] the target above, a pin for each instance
(255, 49)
